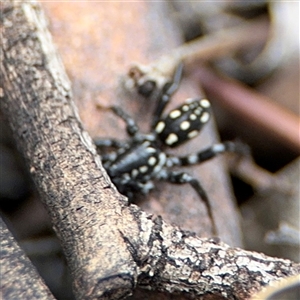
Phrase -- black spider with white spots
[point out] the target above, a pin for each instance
(137, 163)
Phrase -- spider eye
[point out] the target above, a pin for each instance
(183, 122)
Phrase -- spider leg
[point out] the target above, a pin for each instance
(107, 143)
(130, 187)
(167, 91)
(131, 126)
(209, 153)
(181, 178)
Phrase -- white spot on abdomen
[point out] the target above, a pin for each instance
(204, 117)
(185, 125)
(160, 127)
(175, 114)
(204, 103)
(192, 134)
(171, 139)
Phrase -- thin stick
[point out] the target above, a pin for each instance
(253, 107)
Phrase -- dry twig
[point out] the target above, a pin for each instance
(19, 278)
(252, 107)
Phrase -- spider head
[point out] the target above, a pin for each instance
(183, 122)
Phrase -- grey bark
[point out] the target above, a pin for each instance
(19, 278)
(110, 247)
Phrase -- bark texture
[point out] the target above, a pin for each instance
(19, 278)
(111, 247)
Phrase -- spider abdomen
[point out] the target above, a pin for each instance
(183, 122)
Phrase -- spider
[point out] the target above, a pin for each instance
(135, 164)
